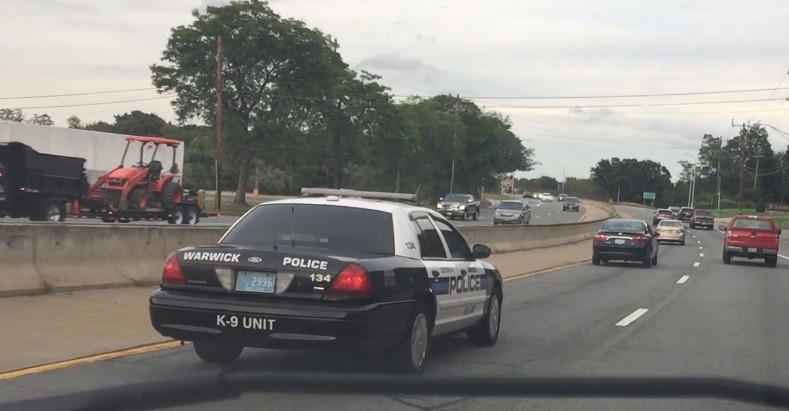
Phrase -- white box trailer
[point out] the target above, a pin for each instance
(102, 151)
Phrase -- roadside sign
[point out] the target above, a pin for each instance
(649, 195)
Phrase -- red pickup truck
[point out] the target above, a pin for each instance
(752, 236)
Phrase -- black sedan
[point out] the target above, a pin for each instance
(627, 240)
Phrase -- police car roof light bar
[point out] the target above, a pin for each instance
(373, 195)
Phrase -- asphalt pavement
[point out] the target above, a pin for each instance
(688, 316)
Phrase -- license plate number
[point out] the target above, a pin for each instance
(256, 282)
(244, 322)
(619, 241)
(751, 250)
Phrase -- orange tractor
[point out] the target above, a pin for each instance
(142, 189)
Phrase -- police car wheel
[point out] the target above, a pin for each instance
(410, 356)
(219, 353)
(486, 333)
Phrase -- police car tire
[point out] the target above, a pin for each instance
(482, 334)
(219, 353)
(403, 355)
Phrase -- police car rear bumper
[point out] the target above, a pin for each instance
(278, 325)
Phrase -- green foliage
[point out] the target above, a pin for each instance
(630, 178)
(42, 120)
(12, 114)
(760, 206)
(16, 115)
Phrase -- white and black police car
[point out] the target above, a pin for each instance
(351, 269)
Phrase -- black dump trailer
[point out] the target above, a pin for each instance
(38, 185)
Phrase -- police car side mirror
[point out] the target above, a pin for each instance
(480, 251)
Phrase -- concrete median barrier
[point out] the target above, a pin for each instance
(38, 258)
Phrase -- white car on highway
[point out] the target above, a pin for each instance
(547, 197)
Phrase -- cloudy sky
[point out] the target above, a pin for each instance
(551, 66)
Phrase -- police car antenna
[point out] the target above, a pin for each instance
(373, 195)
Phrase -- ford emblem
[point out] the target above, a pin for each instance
(254, 259)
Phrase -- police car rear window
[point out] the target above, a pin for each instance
(316, 226)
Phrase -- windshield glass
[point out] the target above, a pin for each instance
(455, 198)
(752, 223)
(623, 226)
(313, 116)
(510, 205)
(668, 223)
(338, 228)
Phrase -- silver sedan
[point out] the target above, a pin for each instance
(671, 230)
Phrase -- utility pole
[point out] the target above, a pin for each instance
(454, 140)
(756, 173)
(219, 63)
(743, 135)
(718, 169)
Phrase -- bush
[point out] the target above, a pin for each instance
(760, 206)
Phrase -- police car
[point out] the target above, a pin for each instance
(335, 268)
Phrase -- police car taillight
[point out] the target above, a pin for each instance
(351, 281)
(171, 273)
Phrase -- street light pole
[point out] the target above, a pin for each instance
(564, 177)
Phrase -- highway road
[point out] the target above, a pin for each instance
(542, 213)
(688, 316)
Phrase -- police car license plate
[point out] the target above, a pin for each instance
(256, 282)
(751, 250)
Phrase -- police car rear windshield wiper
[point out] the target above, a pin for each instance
(216, 386)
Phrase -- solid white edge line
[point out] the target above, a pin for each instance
(683, 279)
(696, 264)
(632, 317)
(783, 256)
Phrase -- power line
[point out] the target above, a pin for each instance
(87, 93)
(690, 93)
(692, 103)
(780, 82)
(95, 104)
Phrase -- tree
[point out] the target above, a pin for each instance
(139, 123)
(74, 122)
(630, 178)
(269, 63)
(12, 114)
(42, 120)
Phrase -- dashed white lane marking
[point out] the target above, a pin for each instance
(698, 242)
(683, 279)
(696, 264)
(701, 248)
(632, 317)
(549, 213)
(701, 254)
(694, 236)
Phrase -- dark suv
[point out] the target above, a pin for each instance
(662, 214)
(685, 214)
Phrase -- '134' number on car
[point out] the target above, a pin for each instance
(320, 278)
